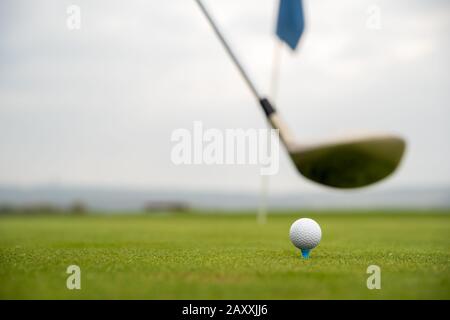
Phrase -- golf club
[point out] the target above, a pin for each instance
(353, 162)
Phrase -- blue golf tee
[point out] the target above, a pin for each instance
(305, 253)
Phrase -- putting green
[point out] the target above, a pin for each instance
(199, 256)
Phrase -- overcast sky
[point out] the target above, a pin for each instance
(97, 106)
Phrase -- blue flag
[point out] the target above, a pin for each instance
(290, 23)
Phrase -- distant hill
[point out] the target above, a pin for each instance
(116, 199)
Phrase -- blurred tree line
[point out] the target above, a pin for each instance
(43, 208)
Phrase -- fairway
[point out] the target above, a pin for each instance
(218, 256)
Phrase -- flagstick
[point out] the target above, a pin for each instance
(275, 77)
(274, 82)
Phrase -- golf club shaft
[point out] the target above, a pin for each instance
(273, 118)
(265, 104)
(228, 49)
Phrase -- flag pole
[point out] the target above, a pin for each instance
(273, 91)
(275, 75)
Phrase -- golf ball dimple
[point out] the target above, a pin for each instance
(305, 233)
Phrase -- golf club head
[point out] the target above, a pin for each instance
(350, 163)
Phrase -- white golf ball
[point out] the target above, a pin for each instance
(305, 233)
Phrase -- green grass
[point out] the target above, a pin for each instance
(224, 257)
